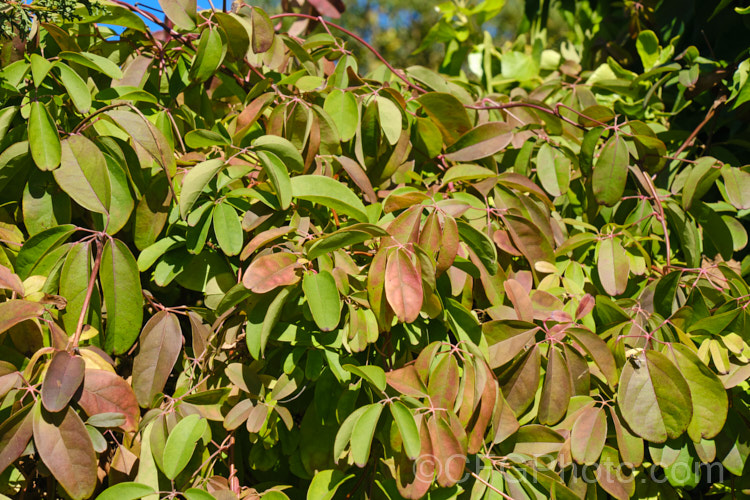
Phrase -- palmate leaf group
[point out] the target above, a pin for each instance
(234, 263)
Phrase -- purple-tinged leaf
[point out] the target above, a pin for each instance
(15, 434)
(588, 436)
(64, 445)
(15, 311)
(403, 286)
(62, 380)
(270, 271)
(160, 346)
(106, 392)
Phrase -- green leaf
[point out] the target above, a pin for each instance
(147, 136)
(373, 374)
(343, 109)
(702, 176)
(389, 116)
(83, 174)
(709, 398)
(325, 483)
(363, 433)
(77, 89)
(282, 148)
(481, 244)
(648, 49)
(279, 177)
(40, 68)
(553, 170)
(654, 397)
(613, 265)
(196, 494)
(323, 298)
(181, 12)
(181, 443)
(44, 141)
(737, 184)
(344, 434)
(160, 346)
(95, 62)
(447, 113)
(611, 171)
(64, 445)
(407, 427)
(126, 491)
(209, 55)
(62, 380)
(123, 299)
(330, 193)
(480, 142)
(227, 228)
(195, 181)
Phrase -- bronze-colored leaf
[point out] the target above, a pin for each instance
(403, 286)
(406, 381)
(270, 271)
(62, 380)
(15, 311)
(15, 433)
(557, 389)
(106, 392)
(160, 345)
(65, 448)
(450, 455)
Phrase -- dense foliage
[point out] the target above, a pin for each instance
(233, 266)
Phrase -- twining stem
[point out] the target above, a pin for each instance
(718, 102)
(89, 291)
(360, 40)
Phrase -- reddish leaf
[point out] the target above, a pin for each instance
(270, 271)
(403, 286)
(406, 381)
(443, 386)
(557, 389)
(507, 339)
(107, 392)
(62, 380)
(588, 436)
(405, 228)
(15, 311)
(523, 381)
(598, 350)
(10, 281)
(504, 422)
(448, 246)
(15, 433)
(486, 408)
(65, 448)
(414, 478)
(376, 290)
(518, 295)
(160, 345)
(480, 142)
(450, 455)
(585, 306)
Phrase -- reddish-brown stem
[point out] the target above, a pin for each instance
(89, 291)
(360, 40)
(711, 112)
(553, 112)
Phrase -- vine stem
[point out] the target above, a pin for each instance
(89, 291)
(361, 40)
(714, 107)
(487, 484)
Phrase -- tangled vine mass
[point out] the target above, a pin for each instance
(240, 260)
